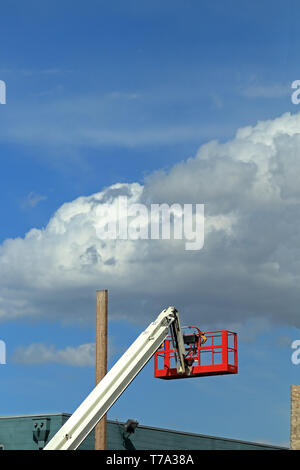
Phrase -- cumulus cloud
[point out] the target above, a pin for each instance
(249, 267)
(40, 353)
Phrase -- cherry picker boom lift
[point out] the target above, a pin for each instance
(114, 383)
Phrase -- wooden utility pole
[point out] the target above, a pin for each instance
(295, 417)
(101, 359)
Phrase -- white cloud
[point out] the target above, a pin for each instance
(271, 91)
(249, 266)
(39, 353)
(117, 118)
(33, 199)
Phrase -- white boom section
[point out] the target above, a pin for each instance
(178, 345)
(113, 384)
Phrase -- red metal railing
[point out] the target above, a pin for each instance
(218, 355)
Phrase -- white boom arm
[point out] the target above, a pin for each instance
(113, 384)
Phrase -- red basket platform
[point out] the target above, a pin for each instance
(217, 356)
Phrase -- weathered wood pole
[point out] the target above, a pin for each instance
(101, 359)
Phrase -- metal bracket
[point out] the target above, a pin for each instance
(41, 430)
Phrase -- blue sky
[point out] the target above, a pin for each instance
(101, 93)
